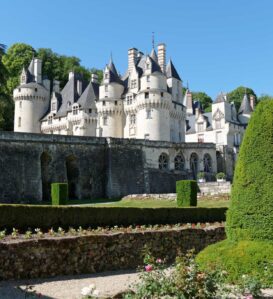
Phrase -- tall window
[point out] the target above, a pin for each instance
(53, 106)
(129, 100)
(207, 163)
(19, 122)
(132, 119)
(105, 120)
(20, 104)
(200, 127)
(133, 83)
(50, 120)
(148, 114)
(75, 110)
(218, 123)
(179, 162)
(163, 161)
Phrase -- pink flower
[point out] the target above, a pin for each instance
(148, 268)
(159, 261)
(249, 296)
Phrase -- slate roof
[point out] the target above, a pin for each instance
(153, 55)
(171, 72)
(113, 74)
(245, 107)
(89, 96)
(190, 123)
(220, 98)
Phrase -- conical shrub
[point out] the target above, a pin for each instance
(250, 216)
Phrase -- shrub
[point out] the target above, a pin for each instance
(252, 258)
(250, 215)
(59, 193)
(186, 193)
(201, 175)
(220, 176)
(45, 217)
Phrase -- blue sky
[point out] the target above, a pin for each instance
(216, 45)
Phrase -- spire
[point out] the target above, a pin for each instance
(245, 107)
(171, 72)
(153, 40)
(153, 55)
(111, 66)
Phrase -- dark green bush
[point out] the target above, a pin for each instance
(253, 258)
(24, 216)
(59, 193)
(250, 215)
(186, 193)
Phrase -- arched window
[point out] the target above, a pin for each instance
(207, 163)
(179, 162)
(194, 164)
(163, 161)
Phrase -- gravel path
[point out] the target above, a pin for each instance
(69, 287)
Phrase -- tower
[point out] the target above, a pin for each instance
(31, 99)
(110, 104)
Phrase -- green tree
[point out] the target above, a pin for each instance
(250, 215)
(238, 93)
(265, 97)
(205, 100)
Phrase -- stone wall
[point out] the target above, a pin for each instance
(50, 257)
(214, 188)
(93, 167)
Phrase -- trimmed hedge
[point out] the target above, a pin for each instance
(59, 193)
(253, 258)
(186, 193)
(250, 216)
(45, 217)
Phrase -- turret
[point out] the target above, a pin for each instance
(31, 99)
(174, 82)
(245, 110)
(110, 104)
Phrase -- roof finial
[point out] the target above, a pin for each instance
(187, 84)
(153, 40)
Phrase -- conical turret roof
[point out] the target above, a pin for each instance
(171, 72)
(245, 107)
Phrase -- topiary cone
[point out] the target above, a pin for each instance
(250, 216)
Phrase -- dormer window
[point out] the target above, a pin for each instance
(133, 83)
(75, 109)
(53, 106)
(50, 120)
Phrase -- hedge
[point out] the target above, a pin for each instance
(186, 193)
(44, 217)
(250, 216)
(253, 258)
(59, 193)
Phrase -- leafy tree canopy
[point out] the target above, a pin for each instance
(238, 93)
(265, 97)
(205, 100)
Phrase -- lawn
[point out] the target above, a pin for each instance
(148, 203)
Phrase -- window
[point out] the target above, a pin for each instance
(200, 138)
(36, 89)
(103, 103)
(106, 88)
(75, 110)
(132, 119)
(90, 110)
(134, 83)
(146, 95)
(163, 162)
(19, 122)
(194, 164)
(105, 120)
(50, 120)
(207, 163)
(146, 136)
(147, 66)
(162, 94)
(20, 104)
(218, 123)
(19, 89)
(148, 114)
(179, 162)
(116, 103)
(200, 127)
(106, 76)
(53, 106)
(148, 78)
(129, 100)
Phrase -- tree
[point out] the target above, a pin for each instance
(205, 100)
(238, 93)
(265, 97)
(250, 215)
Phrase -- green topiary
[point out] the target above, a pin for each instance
(186, 193)
(59, 193)
(250, 215)
(252, 258)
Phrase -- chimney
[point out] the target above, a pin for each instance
(56, 86)
(70, 75)
(197, 112)
(161, 53)
(38, 70)
(252, 102)
(79, 87)
(132, 56)
(94, 78)
(189, 108)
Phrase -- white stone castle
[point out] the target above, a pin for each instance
(146, 103)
